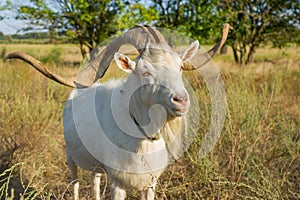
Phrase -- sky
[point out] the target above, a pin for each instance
(9, 25)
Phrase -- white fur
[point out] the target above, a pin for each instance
(97, 124)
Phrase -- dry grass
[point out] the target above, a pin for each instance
(257, 156)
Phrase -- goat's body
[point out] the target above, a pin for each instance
(129, 129)
(97, 101)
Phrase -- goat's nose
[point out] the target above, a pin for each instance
(180, 99)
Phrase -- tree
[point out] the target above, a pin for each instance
(136, 13)
(202, 21)
(195, 18)
(258, 22)
(170, 12)
(86, 22)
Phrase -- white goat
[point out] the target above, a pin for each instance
(127, 127)
(149, 83)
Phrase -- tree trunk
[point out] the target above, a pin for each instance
(242, 57)
(82, 50)
(235, 54)
(250, 57)
(224, 49)
(243, 53)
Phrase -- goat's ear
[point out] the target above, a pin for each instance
(191, 51)
(124, 63)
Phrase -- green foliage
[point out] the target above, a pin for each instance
(31, 35)
(88, 23)
(136, 13)
(260, 22)
(85, 22)
(194, 18)
(201, 21)
(2, 36)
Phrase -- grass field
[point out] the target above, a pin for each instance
(257, 156)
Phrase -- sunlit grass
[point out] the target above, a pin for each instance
(257, 156)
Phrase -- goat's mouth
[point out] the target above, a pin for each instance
(178, 111)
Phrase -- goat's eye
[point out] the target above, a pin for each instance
(147, 74)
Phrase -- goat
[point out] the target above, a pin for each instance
(128, 128)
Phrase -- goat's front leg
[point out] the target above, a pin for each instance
(73, 168)
(96, 184)
(117, 193)
(148, 194)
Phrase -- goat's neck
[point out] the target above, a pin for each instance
(150, 120)
(170, 129)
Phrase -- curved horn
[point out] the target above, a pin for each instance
(138, 36)
(205, 57)
(65, 80)
(156, 36)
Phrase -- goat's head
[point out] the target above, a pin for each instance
(158, 72)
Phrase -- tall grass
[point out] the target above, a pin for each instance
(257, 156)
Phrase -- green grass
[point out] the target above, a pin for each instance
(257, 156)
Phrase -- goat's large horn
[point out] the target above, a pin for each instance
(205, 57)
(65, 80)
(138, 36)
